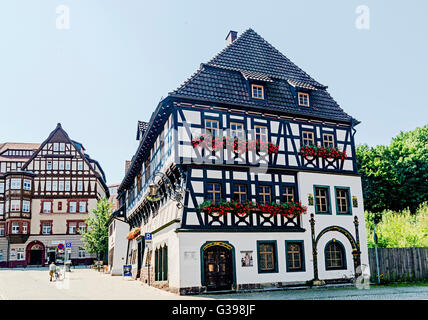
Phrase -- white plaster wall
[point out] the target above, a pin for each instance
(306, 181)
(190, 256)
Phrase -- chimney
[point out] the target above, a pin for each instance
(127, 164)
(231, 36)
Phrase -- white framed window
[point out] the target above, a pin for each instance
(1, 209)
(257, 91)
(67, 186)
(27, 184)
(48, 185)
(261, 133)
(2, 187)
(82, 206)
(56, 146)
(25, 228)
(79, 185)
(47, 227)
(15, 205)
(3, 167)
(82, 227)
(15, 184)
(48, 165)
(47, 207)
(61, 185)
(67, 165)
(303, 98)
(61, 165)
(237, 130)
(72, 228)
(54, 185)
(328, 140)
(80, 165)
(55, 165)
(15, 227)
(25, 206)
(72, 206)
(20, 254)
(1, 231)
(82, 252)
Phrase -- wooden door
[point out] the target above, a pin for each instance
(218, 268)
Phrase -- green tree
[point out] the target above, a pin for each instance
(395, 177)
(95, 238)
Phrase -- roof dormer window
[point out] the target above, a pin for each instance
(257, 91)
(303, 99)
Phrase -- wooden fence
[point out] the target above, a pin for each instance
(399, 264)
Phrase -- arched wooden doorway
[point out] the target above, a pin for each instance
(218, 267)
(35, 253)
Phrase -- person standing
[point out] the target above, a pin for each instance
(52, 268)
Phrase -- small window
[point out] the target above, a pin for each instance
(49, 165)
(328, 140)
(79, 186)
(47, 207)
(72, 206)
(47, 227)
(214, 192)
(15, 227)
(1, 231)
(288, 194)
(82, 227)
(27, 184)
(15, 184)
(265, 194)
(80, 165)
(82, 206)
(295, 257)
(25, 206)
(212, 127)
(72, 228)
(59, 206)
(257, 91)
(334, 255)
(267, 258)
(55, 146)
(240, 193)
(261, 133)
(303, 99)
(82, 252)
(343, 201)
(322, 200)
(308, 138)
(237, 130)
(62, 146)
(15, 205)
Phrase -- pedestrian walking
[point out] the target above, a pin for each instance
(52, 268)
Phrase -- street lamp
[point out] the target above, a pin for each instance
(175, 191)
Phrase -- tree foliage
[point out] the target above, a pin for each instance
(395, 177)
(399, 229)
(95, 238)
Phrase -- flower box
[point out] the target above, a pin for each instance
(289, 209)
(240, 146)
(134, 233)
(322, 152)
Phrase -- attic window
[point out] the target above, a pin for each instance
(303, 99)
(257, 91)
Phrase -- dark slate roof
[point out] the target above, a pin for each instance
(224, 79)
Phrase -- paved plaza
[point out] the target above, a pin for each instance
(85, 284)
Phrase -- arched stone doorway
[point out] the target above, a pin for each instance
(35, 253)
(218, 266)
(356, 253)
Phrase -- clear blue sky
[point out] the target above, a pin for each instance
(119, 58)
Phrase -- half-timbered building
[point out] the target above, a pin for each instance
(46, 193)
(246, 178)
